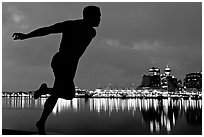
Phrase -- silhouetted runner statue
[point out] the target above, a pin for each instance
(76, 36)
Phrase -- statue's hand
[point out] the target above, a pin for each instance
(19, 36)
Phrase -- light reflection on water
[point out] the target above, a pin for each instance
(22, 102)
(157, 115)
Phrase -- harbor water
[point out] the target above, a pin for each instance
(106, 116)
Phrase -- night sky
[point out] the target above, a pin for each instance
(132, 38)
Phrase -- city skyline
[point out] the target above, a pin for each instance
(132, 85)
(132, 38)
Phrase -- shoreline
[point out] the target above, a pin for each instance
(127, 97)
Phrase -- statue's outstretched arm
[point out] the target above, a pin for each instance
(56, 28)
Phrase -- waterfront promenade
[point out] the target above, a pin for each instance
(100, 93)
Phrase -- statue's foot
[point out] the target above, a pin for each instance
(41, 128)
(40, 91)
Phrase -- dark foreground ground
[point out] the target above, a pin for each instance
(21, 132)
(17, 132)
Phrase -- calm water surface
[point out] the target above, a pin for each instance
(106, 116)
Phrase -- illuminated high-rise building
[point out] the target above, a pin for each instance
(164, 84)
(180, 85)
(167, 71)
(193, 80)
(168, 82)
(154, 71)
(151, 80)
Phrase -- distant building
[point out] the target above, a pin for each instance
(172, 83)
(168, 82)
(164, 83)
(146, 81)
(165, 80)
(180, 85)
(155, 81)
(154, 71)
(167, 71)
(151, 80)
(193, 81)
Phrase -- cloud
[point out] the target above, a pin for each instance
(147, 45)
(18, 18)
(16, 14)
(112, 42)
(144, 46)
